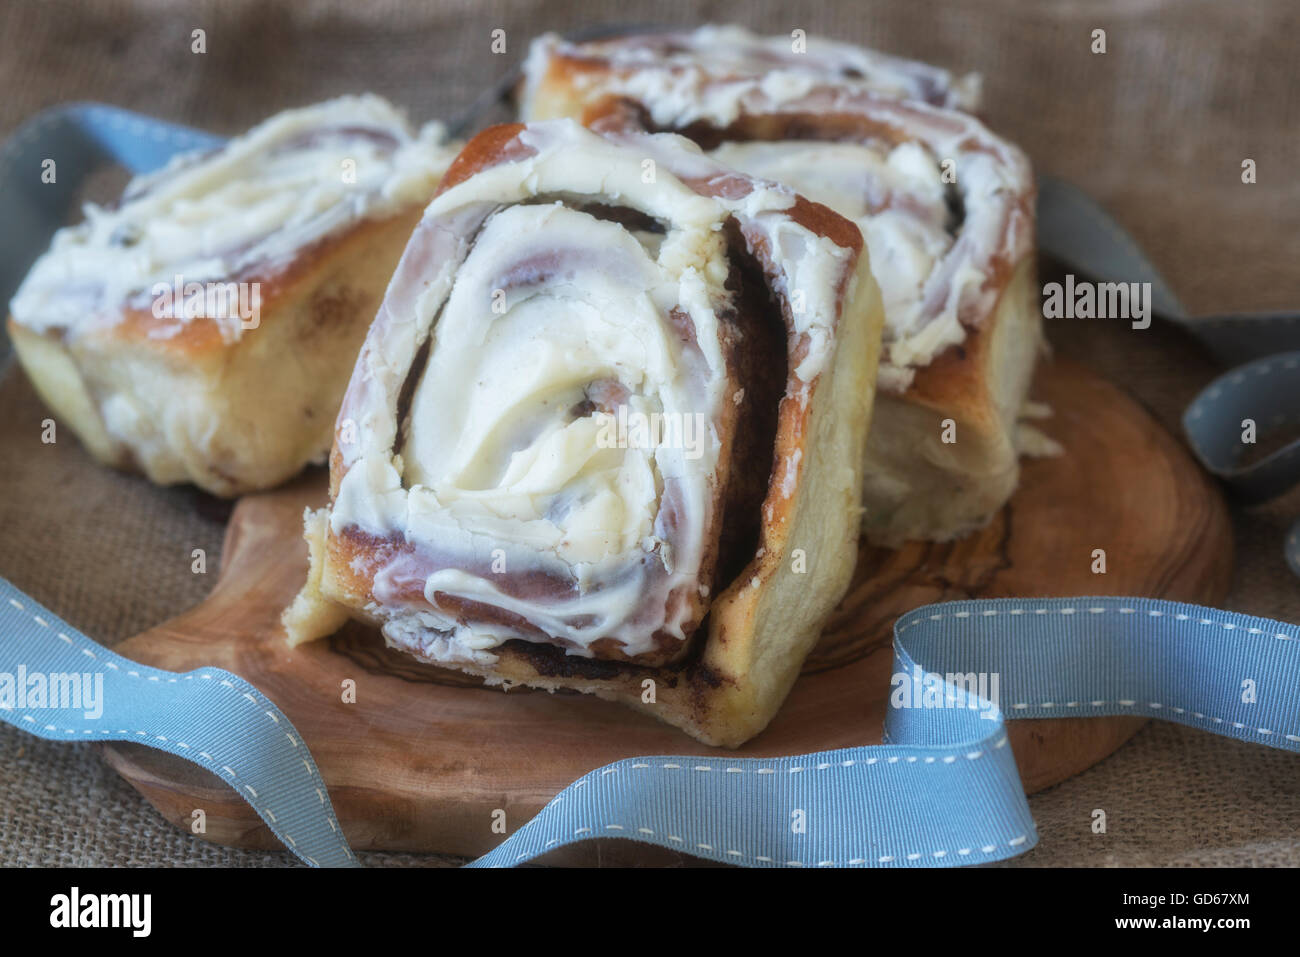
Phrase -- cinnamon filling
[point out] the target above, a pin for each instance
(753, 334)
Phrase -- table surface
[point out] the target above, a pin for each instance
(1156, 128)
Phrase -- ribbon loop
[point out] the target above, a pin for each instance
(943, 791)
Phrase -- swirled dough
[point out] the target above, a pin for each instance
(679, 70)
(930, 268)
(546, 323)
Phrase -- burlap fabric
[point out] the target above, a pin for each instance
(1156, 128)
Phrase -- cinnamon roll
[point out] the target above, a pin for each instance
(719, 66)
(606, 430)
(947, 210)
(203, 328)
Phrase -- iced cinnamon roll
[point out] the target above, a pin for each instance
(606, 427)
(203, 328)
(947, 209)
(714, 68)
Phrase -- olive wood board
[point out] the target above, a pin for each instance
(424, 757)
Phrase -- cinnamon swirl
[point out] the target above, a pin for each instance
(606, 430)
(946, 207)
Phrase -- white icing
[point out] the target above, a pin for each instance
(934, 284)
(494, 448)
(292, 180)
(531, 304)
(895, 195)
(690, 63)
(933, 281)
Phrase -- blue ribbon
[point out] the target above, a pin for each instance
(208, 716)
(943, 791)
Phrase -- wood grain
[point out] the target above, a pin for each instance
(424, 756)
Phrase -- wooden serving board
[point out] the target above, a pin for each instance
(424, 756)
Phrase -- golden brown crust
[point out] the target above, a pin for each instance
(958, 378)
(280, 285)
(495, 145)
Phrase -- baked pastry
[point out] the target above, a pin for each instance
(720, 65)
(203, 328)
(947, 210)
(502, 500)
